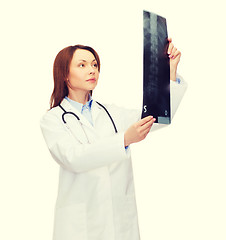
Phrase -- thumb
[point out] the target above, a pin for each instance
(169, 39)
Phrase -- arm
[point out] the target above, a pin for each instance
(174, 56)
(77, 157)
(139, 130)
(177, 90)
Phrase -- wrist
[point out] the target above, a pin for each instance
(126, 142)
(173, 74)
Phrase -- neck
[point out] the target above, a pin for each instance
(79, 96)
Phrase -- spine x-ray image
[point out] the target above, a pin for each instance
(156, 68)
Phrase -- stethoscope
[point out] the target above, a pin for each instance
(72, 113)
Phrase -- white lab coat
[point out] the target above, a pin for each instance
(96, 198)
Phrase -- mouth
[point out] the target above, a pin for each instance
(91, 80)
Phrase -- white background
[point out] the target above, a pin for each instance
(179, 170)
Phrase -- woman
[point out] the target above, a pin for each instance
(91, 144)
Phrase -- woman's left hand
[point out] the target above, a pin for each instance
(174, 55)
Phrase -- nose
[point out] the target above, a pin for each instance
(91, 70)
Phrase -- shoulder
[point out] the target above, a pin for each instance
(53, 115)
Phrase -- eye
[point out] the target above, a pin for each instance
(81, 65)
(95, 65)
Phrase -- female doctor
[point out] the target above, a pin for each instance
(90, 141)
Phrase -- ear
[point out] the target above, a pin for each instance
(67, 82)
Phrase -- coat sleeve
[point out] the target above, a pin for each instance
(77, 157)
(176, 93)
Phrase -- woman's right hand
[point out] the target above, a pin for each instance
(138, 131)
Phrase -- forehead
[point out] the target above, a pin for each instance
(82, 54)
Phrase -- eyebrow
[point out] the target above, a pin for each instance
(86, 61)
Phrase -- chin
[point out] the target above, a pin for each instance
(93, 87)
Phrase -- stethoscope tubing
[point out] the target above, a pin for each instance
(72, 113)
(109, 116)
(65, 112)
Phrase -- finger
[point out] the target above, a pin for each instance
(176, 54)
(169, 39)
(170, 48)
(144, 120)
(147, 130)
(147, 125)
(173, 52)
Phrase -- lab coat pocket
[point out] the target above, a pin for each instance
(70, 222)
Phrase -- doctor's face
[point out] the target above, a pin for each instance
(83, 71)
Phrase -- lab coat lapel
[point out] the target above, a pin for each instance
(96, 110)
(81, 129)
(69, 108)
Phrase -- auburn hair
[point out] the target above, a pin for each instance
(61, 69)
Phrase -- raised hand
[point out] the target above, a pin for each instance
(138, 131)
(174, 55)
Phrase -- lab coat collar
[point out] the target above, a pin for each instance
(79, 106)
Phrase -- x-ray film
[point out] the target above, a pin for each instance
(156, 68)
